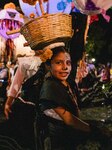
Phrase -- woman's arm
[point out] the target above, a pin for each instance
(71, 120)
(13, 91)
(16, 83)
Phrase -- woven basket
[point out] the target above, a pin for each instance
(48, 29)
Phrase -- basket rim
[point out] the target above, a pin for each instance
(42, 44)
(46, 14)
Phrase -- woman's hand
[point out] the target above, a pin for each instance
(7, 108)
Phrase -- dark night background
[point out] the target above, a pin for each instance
(3, 2)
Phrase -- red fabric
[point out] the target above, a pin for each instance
(93, 18)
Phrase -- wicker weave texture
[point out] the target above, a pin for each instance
(47, 29)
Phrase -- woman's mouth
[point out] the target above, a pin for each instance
(64, 74)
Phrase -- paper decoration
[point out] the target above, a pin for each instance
(91, 7)
(10, 19)
(51, 6)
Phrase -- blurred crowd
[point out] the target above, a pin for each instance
(7, 72)
(88, 74)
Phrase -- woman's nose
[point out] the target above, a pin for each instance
(64, 66)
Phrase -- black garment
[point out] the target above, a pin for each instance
(31, 88)
(77, 48)
(54, 94)
(18, 128)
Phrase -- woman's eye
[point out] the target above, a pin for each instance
(68, 62)
(58, 62)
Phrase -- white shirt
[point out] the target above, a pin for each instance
(28, 66)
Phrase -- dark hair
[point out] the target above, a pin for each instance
(56, 51)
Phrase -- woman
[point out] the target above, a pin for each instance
(22, 97)
(58, 101)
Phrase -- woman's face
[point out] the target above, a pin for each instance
(61, 66)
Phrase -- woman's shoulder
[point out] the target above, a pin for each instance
(50, 82)
(52, 90)
(51, 85)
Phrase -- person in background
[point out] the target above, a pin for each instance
(3, 71)
(104, 75)
(111, 72)
(3, 80)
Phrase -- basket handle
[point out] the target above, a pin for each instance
(41, 7)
